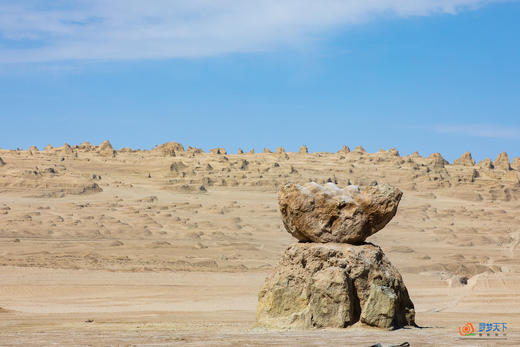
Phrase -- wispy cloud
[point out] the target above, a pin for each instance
(480, 130)
(40, 30)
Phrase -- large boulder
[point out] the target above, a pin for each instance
(330, 214)
(334, 285)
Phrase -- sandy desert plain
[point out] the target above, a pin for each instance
(170, 246)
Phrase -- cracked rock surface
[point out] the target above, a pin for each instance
(318, 285)
(315, 213)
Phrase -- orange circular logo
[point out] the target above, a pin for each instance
(466, 329)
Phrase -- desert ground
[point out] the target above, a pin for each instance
(170, 246)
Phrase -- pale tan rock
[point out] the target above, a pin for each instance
(33, 150)
(516, 164)
(218, 151)
(280, 150)
(304, 149)
(267, 150)
(512, 176)
(486, 164)
(86, 147)
(65, 149)
(106, 149)
(48, 148)
(344, 150)
(394, 152)
(437, 160)
(193, 150)
(465, 160)
(2, 162)
(502, 162)
(318, 285)
(240, 151)
(169, 149)
(330, 214)
(359, 149)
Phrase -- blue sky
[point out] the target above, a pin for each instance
(428, 76)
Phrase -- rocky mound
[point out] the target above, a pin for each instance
(330, 214)
(169, 149)
(334, 285)
(106, 149)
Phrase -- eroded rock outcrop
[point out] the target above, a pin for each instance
(330, 214)
(318, 285)
(465, 160)
(169, 149)
(516, 164)
(344, 150)
(106, 149)
(218, 151)
(502, 162)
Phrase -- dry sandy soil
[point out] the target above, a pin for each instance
(170, 247)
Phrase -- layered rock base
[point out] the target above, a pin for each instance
(335, 285)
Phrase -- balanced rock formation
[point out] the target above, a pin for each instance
(330, 214)
(338, 280)
(465, 160)
(318, 285)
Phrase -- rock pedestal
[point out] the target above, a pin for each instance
(331, 282)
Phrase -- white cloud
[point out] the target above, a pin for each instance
(480, 130)
(34, 31)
